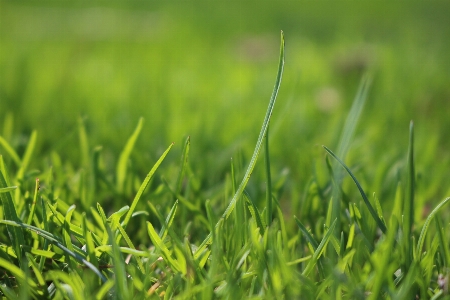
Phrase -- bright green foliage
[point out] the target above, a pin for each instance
(87, 230)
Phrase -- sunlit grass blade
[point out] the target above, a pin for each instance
(408, 205)
(27, 155)
(144, 186)
(159, 244)
(7, 189)
(319, 249)
(426, 225)
(255, 213)
(84, 143)
(17, 272)
(169, 220)
(10, 150)
(372, 211)
(33, 204)
(121, 171)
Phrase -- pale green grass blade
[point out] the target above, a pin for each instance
(268, 181)
(84, 143)
(121, 171)
(372, 211)
(7, 189)
(57, 243)
(159, 244)
(259, 142)
(169, 220)
(67, 234)
(103, 291)
(408, 208)
(144, 186)
(33, 204)
(426, 225)
(15, 157)
(27, 155)
(130, 244)
(255, 213)
(319, 249)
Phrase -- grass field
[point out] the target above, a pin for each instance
(134, 161)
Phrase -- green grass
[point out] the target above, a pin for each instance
(364, 217)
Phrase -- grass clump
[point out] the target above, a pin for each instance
(183, 247)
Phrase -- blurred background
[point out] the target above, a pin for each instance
(207, 70)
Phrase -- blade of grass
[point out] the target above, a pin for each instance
(7, 189)
(408, 208)
(427, 224)
(372, 211)
(443, 242)
(33, 204)
(143, 187)
(268, 180)
(319, 249)
(10, 150)
(121, 171)
(259, 142)
(183, 163)
(156, 240)
(344, 143)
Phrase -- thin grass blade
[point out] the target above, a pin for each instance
(372, 211)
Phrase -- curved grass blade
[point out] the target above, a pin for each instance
(143, 187)
(259, 142)
(427, 224)
(262, 133)
(50, 237)
(121, 171)
(372, 211)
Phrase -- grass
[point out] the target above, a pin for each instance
(51, 249)
(363, 217)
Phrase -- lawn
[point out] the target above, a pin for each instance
(137, 160)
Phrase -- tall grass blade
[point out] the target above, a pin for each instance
(33, 204)
(408, 208)
(259, 142)
(27, 155)
(427, 224)
(184, 161)
(121, 171)
(372, 211)
(120, 276)
(268, 180)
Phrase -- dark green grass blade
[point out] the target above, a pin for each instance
(259, 142)
(268, 180)
(372, 211)
(121, 171)
(306, 233)
(408, 208)
(50, 237)
(344, 143)
(426, 225)
(144, 186)
(9, 212)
